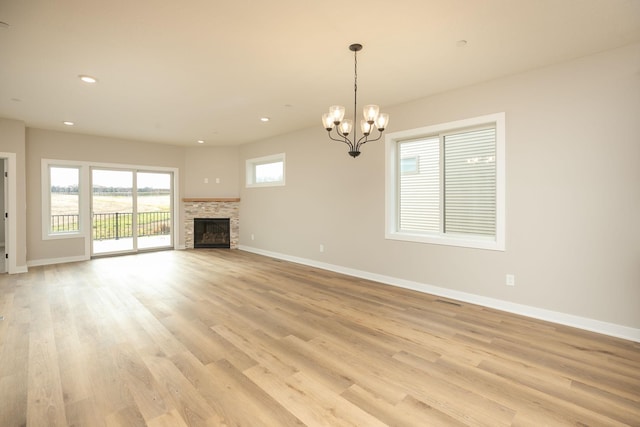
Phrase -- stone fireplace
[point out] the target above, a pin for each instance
(211, 208)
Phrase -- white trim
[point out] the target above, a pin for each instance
(85, 206)
(611, 329)
(11, 244)
(176, 210)
(51, 261)
(4, 183)
(391, 190)
(20, 269)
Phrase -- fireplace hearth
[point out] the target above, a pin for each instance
(211, 233)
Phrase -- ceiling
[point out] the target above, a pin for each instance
(180, 71)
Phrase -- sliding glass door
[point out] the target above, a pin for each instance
(112, 206)
(131, 210)
(154, 213)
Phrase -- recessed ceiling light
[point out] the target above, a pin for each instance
(461, 43)
(68, 123)
(87, 79)
(200, 141)
(264, 119)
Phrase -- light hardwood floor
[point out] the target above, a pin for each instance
(220, 337)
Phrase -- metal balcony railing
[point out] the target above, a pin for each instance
(116, 225)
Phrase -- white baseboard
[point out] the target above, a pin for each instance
(50, 261)
(611, 329)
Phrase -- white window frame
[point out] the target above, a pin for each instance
(250, 168)
(392, 173)
(83, 197)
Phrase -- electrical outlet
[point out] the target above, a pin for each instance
(321, 248)
(206, 180)
(510, 280)
(253, 237)
(217, 180)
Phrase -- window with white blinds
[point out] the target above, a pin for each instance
(445, 183)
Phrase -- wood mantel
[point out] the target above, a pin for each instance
(211, 199)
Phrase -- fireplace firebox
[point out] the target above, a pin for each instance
(211, 233)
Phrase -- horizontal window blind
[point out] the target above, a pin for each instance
(470, 182)
(420, 189)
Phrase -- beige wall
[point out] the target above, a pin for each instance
(12, 140)
(46, 144)
(194, 163)
(573, 194)
(211, 163)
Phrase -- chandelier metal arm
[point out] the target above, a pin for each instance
(344, 139)
(366, 139)
(360, 142)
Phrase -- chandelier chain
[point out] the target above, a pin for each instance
(355, 94)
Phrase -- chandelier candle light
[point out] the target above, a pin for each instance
(372, 117)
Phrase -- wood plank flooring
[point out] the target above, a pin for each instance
(229, 338)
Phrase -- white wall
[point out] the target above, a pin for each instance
(573, 194)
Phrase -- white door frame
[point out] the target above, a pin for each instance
(10, 208)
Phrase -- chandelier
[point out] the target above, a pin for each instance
(334, 119)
